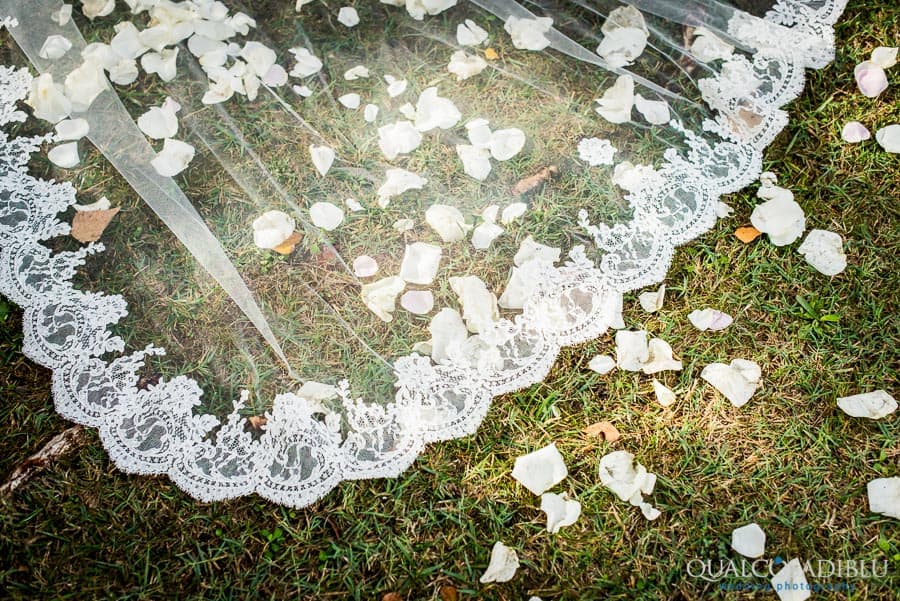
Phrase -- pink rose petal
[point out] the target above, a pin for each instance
(870, 78)
(854, 132)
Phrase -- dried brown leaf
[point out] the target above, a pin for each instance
(527, 184)
(448, 593)
(747, 234)
(391, 597)
(604, 430)
(287, 247)
(257, 421)
(88, 226)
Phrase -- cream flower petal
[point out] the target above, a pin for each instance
(469, 33)
(710, 319)
(530, 250)
(397, 182)
(632, 349)
(889, 138)
(395, 86)
(503, 565)
(664, 395)
(824, 251)
(348, 17)
(625, 16)
(529, 33)
(127, 42)
(870, 79)
(476, 161)
(433, 111)
(161, 63)
(659, 357)
(97, 8)
(655, 112)
(174, 158)
(418, 302)
(873, 405)
(884, 57)
(326, 215)
(854, 131)
(365, 266)
(322, 158)
(350, 101)
(448, 222)
(790, 582)
(62, 16)
(619, 474)
(780, 216)
(884, 496)
(465, 65)
(272, 228)
(506, 143)
(124, 72)
(602, 364)
(404, 225)
(485, 234)
(102, 204)
(512, 211)
(479, 132)
(540, 470)
(381, 296)
(47, 99)
(84, 84)
(615, 104)
(54, 47)
(259, 57)
(275, 77)
(64, 155)
(72, 129)
(397, 138)
(448, 334)
(370, 113)
(158, 123)
(306, 63)
(749, 540)
(652, 301)
(737, 382)
(420, 263)
(561, 511)
(357, 72)
(621, 46)
(479, 305)
(708, 47)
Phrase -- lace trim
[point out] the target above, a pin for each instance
(305, 451)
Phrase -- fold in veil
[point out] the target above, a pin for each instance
(545, 243)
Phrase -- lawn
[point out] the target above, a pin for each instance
(789, 460)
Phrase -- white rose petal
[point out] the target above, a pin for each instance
(48, 100)
(780, 216)
(854, 131)
(418, 302)
(407, 110)
(322, 158)
(365, 266)
(465, 65)
(259, 57)
(659, 357)
(889, 138)
(54, 47)
(824, 250)
(540, 470)
(398, 181)
(479, 132)
(470, 33)
(708, 47)
(749, 540)
(102, 204)
(595, 151)
(621, 46)
(485, 234)
(884, 57)
(127, 41)
(476, 161)
(174, 158)
(404, 225)
(870, 79)
(448, 334)
(448, 222)
(162, 63)
(353, 205)
(664, 395)
(62, 16)
(397, 138)
(625, 16)
(615, 104)
(561, 511)
(72, 129)
(381, 296)
(306, 63)
(632, 177)
(158, 123)
(272, 228)
(124, 72)
(619, 474)
(395, 86)
(433, 111)
(97, 8)
(348, 16)
(326, 215)
(512, 211)
(655, 112)
(790, 583)
(632, 349)
(873, 405)
(503, 565)
(370, 113)
(420, 263)
(737, 382)
(652, 301)
(710, 319)
(417, 9)
(530, 250)
(884, 496)
(350, 101)
(506, 143)
(479, 305)
(357, 72)
(529, 33)
(64, 155)
(84, 84)
(602, 364)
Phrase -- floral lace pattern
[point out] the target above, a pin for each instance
(306, 451)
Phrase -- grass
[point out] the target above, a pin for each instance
(789, 459)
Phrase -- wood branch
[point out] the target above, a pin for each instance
(63, 443)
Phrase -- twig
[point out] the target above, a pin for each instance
(60, 445)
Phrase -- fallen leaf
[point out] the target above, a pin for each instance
(287, 247)
(747, 234)
(391, 597)
(604, 430)
(257, 421)
(448, 593)
(88, 226)
(527, 184)
(491, 54)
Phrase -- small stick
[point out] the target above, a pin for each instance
(60, 445)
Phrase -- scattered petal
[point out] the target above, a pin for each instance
(357, 72)
(420, 263)
(503, 565)
(708, 47)
(306, 63)
(158, 123)
(655, 112)
(884, 57)
(448, 222)
(479, 305)
(884, 496)
(100, 205)
(870, 78)
(664, 395)
(873, 405)
(433, 111)
(619, 474)
(381, 296)
(790, 582)
(632, 349)
(353, 205)
(72, 129)
(326, 215)
(530, 250)
(163, 64)
(365, 266)
(395, 86)
(622, 45)
(418, 302)
(397, 138)
(615, 104)
(710, 319)
(632, 177)
(348, 16)
(602, 364)
(749, 540)
(529, 33)
(350, 101)
(97, 8)
(889, 138)
(824, 251)
(272, 228)
(854, 131)
(476, 161)
(62, 16)
(404, 225)
(54, 47)
(465, 65)
(652, 301)
(304, 91)
(506, 143)
(48, 100)
(737, 382)
(470, 33)
(780, 216)
(659, 358)
(64, 155)
(596, 151)
(398, 181)
(85, 83)
(561, 511)
(322, 158)
(448, 334)
(540, 470)
(485, 234)
(370, 113)
(512, 211)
